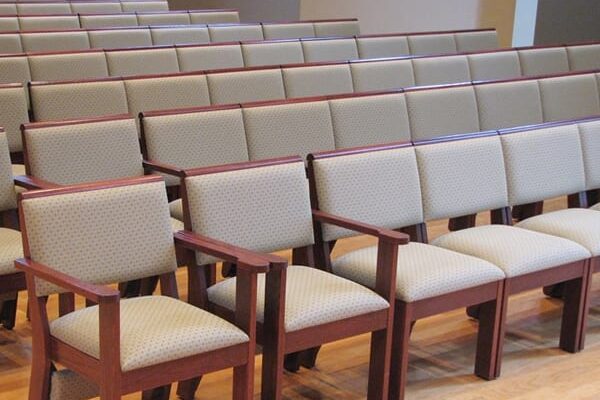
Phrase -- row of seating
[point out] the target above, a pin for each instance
(31, 23)
(108, 38)
(75, 7)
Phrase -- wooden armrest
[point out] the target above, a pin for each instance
(164, 168)
(98, 294)
(255, 262)
(32, 183)
(388, 235)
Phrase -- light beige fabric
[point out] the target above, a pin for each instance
(49, 22)
(9, 23)
(96, 8)
(120, 38)
(389, 195)
(13, 113)
(569, 97)
(8, 8)
(462, 177)
(544, 61)
(590, 140)
(246, 86)
(55, 41)
(11, 248)
(476, 41)
(56, 67)
(67, 385)
(8, 199)
(235, 33)
(543, 163)
(509, 104)
(382, 75)
(379, 47)
(171, 18)
(583, 58)
(515, 250)
(102, 236)
(145, 6)
(214, 17)
(288, 31)
(18, 169)
(361, 121)
(317, 81)
(43, 8)
(265, 209)
(10, 43)
(596, 207)
(440, 70)
(312, 298)
(288, 129)
(106, 21)
(329, 50)
(176, 209)
(432, 44)
(209, 57)
(257, 54)
(140, 62)
(14, 69)
(196, 139)
(439, 112)
(339, 28)
(179, 35)
(499, 65)
(88, 152)
(424, 271)
(176, 224)
(154, 330)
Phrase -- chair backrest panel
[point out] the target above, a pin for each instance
(339, 28)
(14, 70)
(172, 18)
(246, 86)
(43, 8)
(583, 58)
(317, 80)
(259, 54)
(234, 33)
(179, 35)
(288, 31)
(46, 22)
(329, 50)
(432, 44)
(54, 67)
(590, 140)
(10, 43)
(476, 41)
(214, 17)
(145, 6)
(8, 196)
(569, 97)
(106, 21)
(382, 75)
(496, 65)
(96, 7)
(438, 71)
(384, 46)
(536, 62)
(8, 24)
(120, 38)
(13, 113)
(151, 61)
(55, 41)
(209, 57)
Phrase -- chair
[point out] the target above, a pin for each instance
(13, 113)
(96, 21)
(77, 240)
(119, 38)
(48, 22)
(320, 80)
(299, 306)
(96, 8)
(272, 53)
(443, 43)
(9, 23)
(55, 41)
(584, 57)
(546, 61)
(246, 86)
(288, 30)
(170, 18)
(569, 97)
(382, 46)
(329, 50)
(348, 27)
(142, 62)
(441, 70)
(197, 58)
(214, 17)
(235, 33)
(494, 65)
(382, 75)
(144, 6)
(43, 9)
(55, 67)
(11, 43)
(476, 41)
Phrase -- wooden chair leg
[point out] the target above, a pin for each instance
(243, 379)
(492, 317)
(41, 373)
(473, 311)
(554, 291)
(148, 286)
(399, 361)
(66, 303)
(292, 361)
(160, 393)
(379, 365)
(186, 390)
(575, 310)
(308, 359)
(8, 310)
(130, 289)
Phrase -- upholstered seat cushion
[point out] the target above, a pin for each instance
(424, 271)
(11, 248)
(576, 224)
(67, 385)
(516, 251)
(177, 224)
(154, 329)
(313, 297)
(176, 209)
(596, 207)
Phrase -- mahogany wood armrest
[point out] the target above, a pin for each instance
(388, 235)
(155, 166)
(254, 262)
(32, 183)
(95, 293)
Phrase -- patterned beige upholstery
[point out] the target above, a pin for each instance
(67, 385)
(266, 209)
(196, 139)
(590, 139)
(10, 43)
(544, 61)
(106, 21)
(95, 8)
(43, 9)
(437, 71)
(55, 67)
(515, 250)
(144, 6)
(543, 163)
(154, 329)
(256, 54)
(329, 50)
(288, 129)
(14, 69)
(179, 35)
(11, 248)
(312, 298)
(235, 33)
(361, 121)
(78, 100)
(462, 177)
(101, 236)
(140, 62)
(288, 31)
(201, 58)
(442, 112)
(476, 41)
(172, 18)
(389, 195)
(120, 38)
(569, 97)
(78, 153)
(13, 113)
(54, 41)
(49, 22)
(246, 86)
(18, 169)
(214, 17)
(432, 44)
(382, 75)
(379, 47)
(340, 28)
(509, 104)
(424, 271)
(583, 58)
(500, 65)
(177, 224)
(8, 8)
(9, 24)
(8, 200)
(317, 81)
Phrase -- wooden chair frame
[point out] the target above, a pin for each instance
(106, 370)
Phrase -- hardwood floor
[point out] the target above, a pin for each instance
(441, 356)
